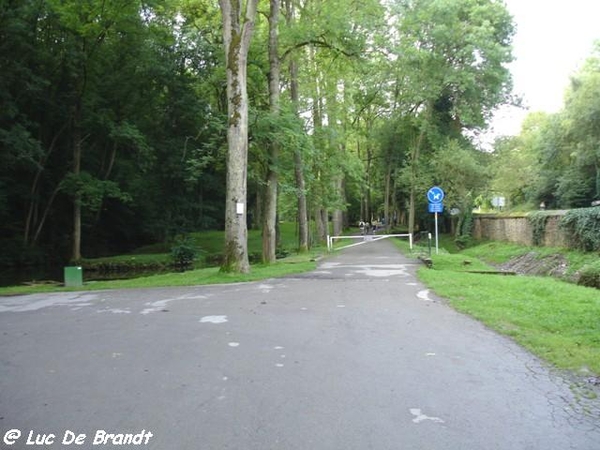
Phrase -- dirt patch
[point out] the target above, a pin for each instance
(533, 264)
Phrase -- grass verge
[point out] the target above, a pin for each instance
(500, 252)
(211, 275)
(556, 320)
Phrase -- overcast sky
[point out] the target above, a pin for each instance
(553, 39)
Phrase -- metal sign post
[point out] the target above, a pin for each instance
(437, 247)
(435, 195)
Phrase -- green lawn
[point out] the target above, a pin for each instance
(211, 275)
(556, 320)
(499, 252)
(209, 243)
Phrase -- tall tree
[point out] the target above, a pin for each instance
(580, 183)
(302, 209)
(269, 231)
(238, 25)
(459, 170)
(452, 57)
(515, 161)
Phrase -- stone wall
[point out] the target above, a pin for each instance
(518, 229)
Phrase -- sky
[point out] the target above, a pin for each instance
(553, 39)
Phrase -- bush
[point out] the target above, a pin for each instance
(282, 252)
(538, 222)
(590, 275)
(583, 227)
(15, 253)
(184, 252)
(214, 259)
(462, 242)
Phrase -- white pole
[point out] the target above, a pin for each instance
(410, 240)
(436, 234)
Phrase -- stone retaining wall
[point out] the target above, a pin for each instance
(518, 229)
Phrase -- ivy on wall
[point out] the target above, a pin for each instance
(538, 221)
(583, 228)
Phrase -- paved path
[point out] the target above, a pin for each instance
(356, 355)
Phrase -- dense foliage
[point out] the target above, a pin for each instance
(555, 161)
(113, 109)
(590, 275)
(538, 220)
(113, 126)
(583, 228)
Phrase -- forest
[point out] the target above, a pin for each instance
(115, 121)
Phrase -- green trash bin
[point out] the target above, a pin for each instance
(73, 276)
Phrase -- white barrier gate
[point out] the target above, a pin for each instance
(365, 238)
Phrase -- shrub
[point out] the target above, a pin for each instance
(590, 275)
(463, 242)
(282, 252)
(15, 253)
(184, 252)
(583, 227)
(538, 222)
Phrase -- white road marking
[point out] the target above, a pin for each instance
(213, 319)
(160, 305)
(265, 288)
(420, 417)
(234, 344)
(114, 311)
(381, 273)
(38, 301)
(424, 295)
(370, 270)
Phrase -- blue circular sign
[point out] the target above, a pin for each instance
(435, 195)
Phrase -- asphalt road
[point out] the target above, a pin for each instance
(356, 355)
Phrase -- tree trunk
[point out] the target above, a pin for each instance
(269, 232)
(47, 209)
(319, 225)
(337, 184)
(411, 209)
(363, 193)
(33, 205)
(298, 163)
(597, 197)
(416, 151)
(368, 214)
(77, 143)
(238, 25)
(337, 217)
(256, 220)
(302, 208)
(325, 221)
(388, 185)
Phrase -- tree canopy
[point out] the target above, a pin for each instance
(116, 126)
(555, 160)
